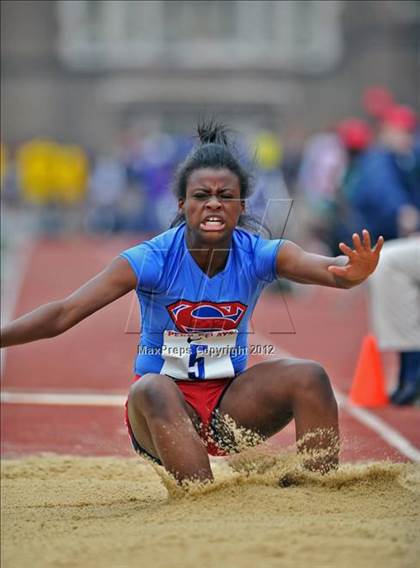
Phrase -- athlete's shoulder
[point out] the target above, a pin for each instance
(164, 241)
(149, 258)
(258, 251)
(244, 239)
(250, 242)
(160, 244)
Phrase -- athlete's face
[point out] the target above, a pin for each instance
(212, 203)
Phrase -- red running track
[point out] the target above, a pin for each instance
(97, 356)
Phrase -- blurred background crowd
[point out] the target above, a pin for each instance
(363, 171)
(360, 172)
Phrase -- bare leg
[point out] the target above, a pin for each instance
(267, 396)
(163, 424)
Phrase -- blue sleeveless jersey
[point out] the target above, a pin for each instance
(194, 326)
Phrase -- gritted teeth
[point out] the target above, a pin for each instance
(213, 219)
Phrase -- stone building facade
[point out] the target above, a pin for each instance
(80, 71)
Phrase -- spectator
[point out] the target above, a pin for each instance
(356, 137)
(377, 100)
(386, 196)
(322, 168)
(395, 307)
(106, 189)
(270, 201)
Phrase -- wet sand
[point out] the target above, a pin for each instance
(120, 513)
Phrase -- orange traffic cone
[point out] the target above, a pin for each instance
(368, 388)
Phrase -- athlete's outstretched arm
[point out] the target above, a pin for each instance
(339, 272)
(56, 317)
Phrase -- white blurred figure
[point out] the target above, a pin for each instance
(322, 168)
(159, 154)
(106, 189)
(395, 309)
(323, 165)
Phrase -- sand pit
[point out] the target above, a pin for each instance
(117, 513)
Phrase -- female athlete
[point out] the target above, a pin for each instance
(197, 284)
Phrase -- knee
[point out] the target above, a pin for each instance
(312, 379)
(147, 395)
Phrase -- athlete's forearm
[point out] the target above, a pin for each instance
(340, 282)
(315, 271)
(308, 268)
(46, 321)
(321, 275)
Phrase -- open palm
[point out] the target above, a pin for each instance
(362, 260)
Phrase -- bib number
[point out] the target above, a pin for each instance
(198, 356)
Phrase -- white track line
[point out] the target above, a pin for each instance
(367, 418)
(63, 399)
(391, 436)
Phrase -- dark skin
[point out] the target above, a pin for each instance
(266, 396)
(211, 192)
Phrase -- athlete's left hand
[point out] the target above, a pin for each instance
(361, 261)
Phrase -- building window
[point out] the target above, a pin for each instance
(303, 35)
(185, 21)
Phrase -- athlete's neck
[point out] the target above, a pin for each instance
(210, 257)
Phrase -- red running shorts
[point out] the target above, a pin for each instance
(204, 397)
